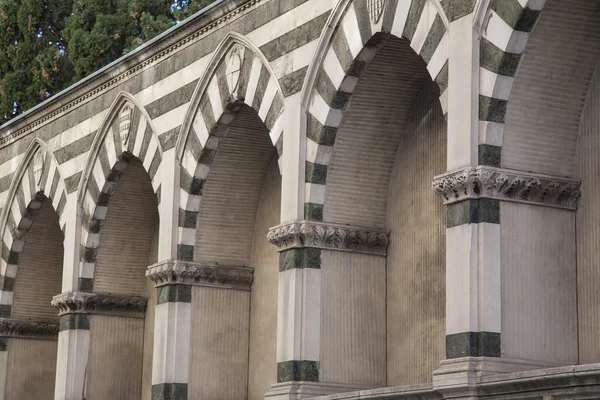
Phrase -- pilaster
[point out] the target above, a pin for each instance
(173, 318)
(299, 340)
(475, 197)
(75, 309)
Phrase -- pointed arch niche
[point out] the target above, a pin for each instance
(31, 271)
(230, 196)
(118, 198)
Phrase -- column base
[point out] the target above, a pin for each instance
(304, 390)
(458, 378)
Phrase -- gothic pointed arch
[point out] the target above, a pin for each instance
(354, 33)
(237, 76)
(37, 178)
(127, 132)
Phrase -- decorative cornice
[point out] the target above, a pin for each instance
(193, 273)
(28, 329)
(507, 185)
(92, 303)
(330, 237)
(61, 104)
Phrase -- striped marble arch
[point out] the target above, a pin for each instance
(126, 132)
(38, 177)
(504, 27)
(237, 75)
(351, 38)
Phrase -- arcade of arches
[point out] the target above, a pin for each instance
(283, 200)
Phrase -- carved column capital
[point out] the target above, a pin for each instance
(507, 185)
(201, 274)
(330, 237)
(94, 303)
(28, 329)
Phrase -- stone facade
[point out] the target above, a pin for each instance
(332, 199)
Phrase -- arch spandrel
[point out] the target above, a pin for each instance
(351, 38)
(237, 75)
(126, 132)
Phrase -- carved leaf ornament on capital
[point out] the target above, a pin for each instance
(503, 184)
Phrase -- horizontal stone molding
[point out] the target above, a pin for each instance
(329, 237)
(201, 274)
(94, 303)
(28, 329)
(507, 185)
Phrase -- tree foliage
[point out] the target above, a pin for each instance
(47, 45)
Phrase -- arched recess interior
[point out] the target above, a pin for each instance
(550, 126)
(32, 266)
(376, 136)
(230, 196)
(119, 196)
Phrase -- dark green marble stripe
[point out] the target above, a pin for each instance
(92, 188)
(295, 38)
(292, 83)
(313, 212)
(245, 73)
(185, 252)
(363, 20)
(414, 16)
(174, 294)
(224, 93)
(492, 110)
(335, 99)
(73, 322)
(261, 88)
(389, 14)
(473, 344)
(316, 173)
(5, 182)
(490, 155)
(154, 164)
(442, 78)
(494, 59)
(300, 258)
(434, 37)
(72, 182)
(307, 371)
(3, 343)
(190, 184)
(342, 49)
(207, 112)
(170, 391)
(148, 137)
(323, 135)
(54, 184)
(86, 285)
(168, 139)
(517, 17)
(133, 127)
(171, 101)
(455, 9)
(61, 204)
(104, 163)
(7, 284)
(473, 211)
(187, 219)
(274, 111)
(278, 146)
(44, 176)
(193, 145)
